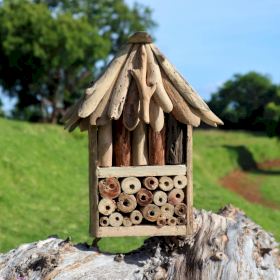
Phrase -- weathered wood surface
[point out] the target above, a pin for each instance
(224, 246)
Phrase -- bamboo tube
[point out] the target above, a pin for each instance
(157, 146)
(181, 209)
(181, 221)
(131, 107)
(105, 145)
(165, 183)
(156, 116)
(107, 206)
(140, 145)
(167, 210)
(116, 219)
(144, 197)
(151, 183)
(104, 221)
(126, 202)
(127, 222)
(136, 217)
(180, 181)
(150, 212)
(175, 196)
(131, 185)
(160, 198)
(161, 222)
(172, 221)
(122, 144)
(109, 187)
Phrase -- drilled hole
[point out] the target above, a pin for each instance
(117, 218)
(167, 209)
(137, 218)
(132, 187)
(160, 200)
(178, 195)
(107, 207)
(181, 210)
(161, 222)
(152, 182)
(126, 203)
(143, 197)
(111, 186)
(152, 213)
(180, 182)
(104, 222)
(173, 221)
(166, 184)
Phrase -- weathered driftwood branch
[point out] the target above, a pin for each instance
(157, 146)
(224, 246)
(105, 145)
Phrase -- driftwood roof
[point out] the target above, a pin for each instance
(139, 83)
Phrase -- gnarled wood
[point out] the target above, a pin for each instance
(156, 116)
(140, 145)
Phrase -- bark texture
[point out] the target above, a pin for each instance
(226, 245)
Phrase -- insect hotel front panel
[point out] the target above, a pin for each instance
(139, 114)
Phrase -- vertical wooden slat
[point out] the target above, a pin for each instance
(105, 145)
(93, 182)
(189, 189)
(157, 146)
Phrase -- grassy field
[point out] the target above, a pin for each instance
(44, 182)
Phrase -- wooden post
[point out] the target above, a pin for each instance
(93, 182)
(105, 145)
(157, 146)
(189, 189)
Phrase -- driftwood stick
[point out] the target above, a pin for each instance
(107, 206)
(131, 107)
(105, 145)
(145, 92)
(116, 219)
(121, 87)
(175, 196)
(154, 77)
(182, 111)
(140, 145)
(211, 118)
(157, 146)
(94, 94)
(156, 116)
(165, 183)
(151, 183)
(126, 202)
(131, 185)
(224, 246)
(185, 89)
(144, 197)
(136, 217)
(109, 187)
(122, 144)
(150, 212)
(167, 210)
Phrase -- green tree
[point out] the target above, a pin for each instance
(49, 49)
(241, 101)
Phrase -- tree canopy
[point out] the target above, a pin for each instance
(49, 49)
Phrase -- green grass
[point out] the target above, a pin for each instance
(44, 182)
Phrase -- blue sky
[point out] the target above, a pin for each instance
(208, 41)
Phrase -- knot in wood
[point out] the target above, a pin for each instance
(219, 256)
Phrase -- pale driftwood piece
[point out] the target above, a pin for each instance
(175, 196)
(150, 212)
(73, 119)
(180, 181)
(157, 146)
(72, 109)
(167, 210)
(126, 202)
(122, 144)
(127, 222)
(140, 145)
(131, 107)
(189, 189)
(121, 87)
(172, 221)
(116, 219)
(181, 209)
(136, 217)
(107, 206)
(182, 111)
(174, 143)
(75, 125)
(145, 92)
(156, 116)
(104, 221)
(154, 77)
(84, 125)
(105, 145)
(179, 81)
(144, 197)
(226, 246)
(165, 183)
(161, 222)
(142, 171)
(131, 185)
(151, 183)
(96, 92)
(109, 187)
(93, 182)
(181, 221)
(100, 115)
(211, 117)
(208, 121)
(140, 37)
(160, 198)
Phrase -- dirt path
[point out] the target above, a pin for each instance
(239, 182)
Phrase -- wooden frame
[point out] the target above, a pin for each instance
(96, 172)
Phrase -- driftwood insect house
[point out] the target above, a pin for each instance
(139, 114)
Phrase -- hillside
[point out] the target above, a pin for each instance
(44, 182)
